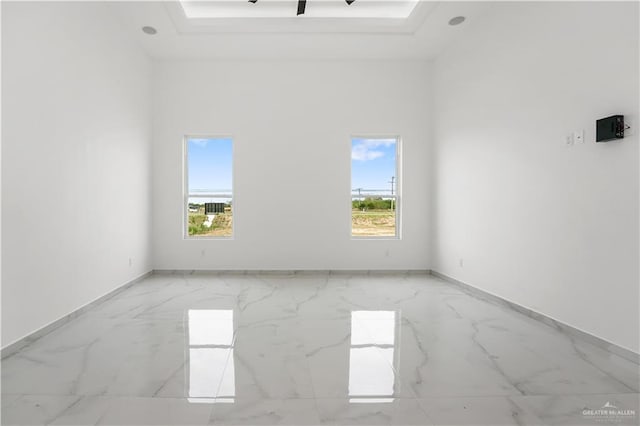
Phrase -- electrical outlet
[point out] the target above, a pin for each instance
(203, 252)
(461, 262)
(568, 141)
(130, 262)
(386, 253)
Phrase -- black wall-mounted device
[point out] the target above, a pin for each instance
(610, 128)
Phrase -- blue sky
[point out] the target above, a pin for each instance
(373, 163)
(209, 163)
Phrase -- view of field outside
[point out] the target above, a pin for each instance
(209, 201)
(209, 225)
(209, 182)
(374, 187)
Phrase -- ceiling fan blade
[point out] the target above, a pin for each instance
(350, 1)
(253, 1)
(302, 4)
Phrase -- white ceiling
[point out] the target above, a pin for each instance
(422, 35)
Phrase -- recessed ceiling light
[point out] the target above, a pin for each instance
(149, 30)
(457, 20)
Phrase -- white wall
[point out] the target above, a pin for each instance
(551, 227)
(75, 160)
(291, 123)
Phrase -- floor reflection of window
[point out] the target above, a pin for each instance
(211, 368)
(371, 358)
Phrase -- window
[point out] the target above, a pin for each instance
(208, 196)
(375, 187)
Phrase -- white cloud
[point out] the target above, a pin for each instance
(363, 153)
(365, 150)
(199, 142)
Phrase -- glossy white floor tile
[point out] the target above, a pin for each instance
(311, 349)
(383, 411)
(266, 412)
(35, 409)
(134, 411)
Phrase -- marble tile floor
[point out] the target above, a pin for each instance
(312, 349)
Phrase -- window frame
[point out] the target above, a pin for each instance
(398, 187)
(185, 187)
